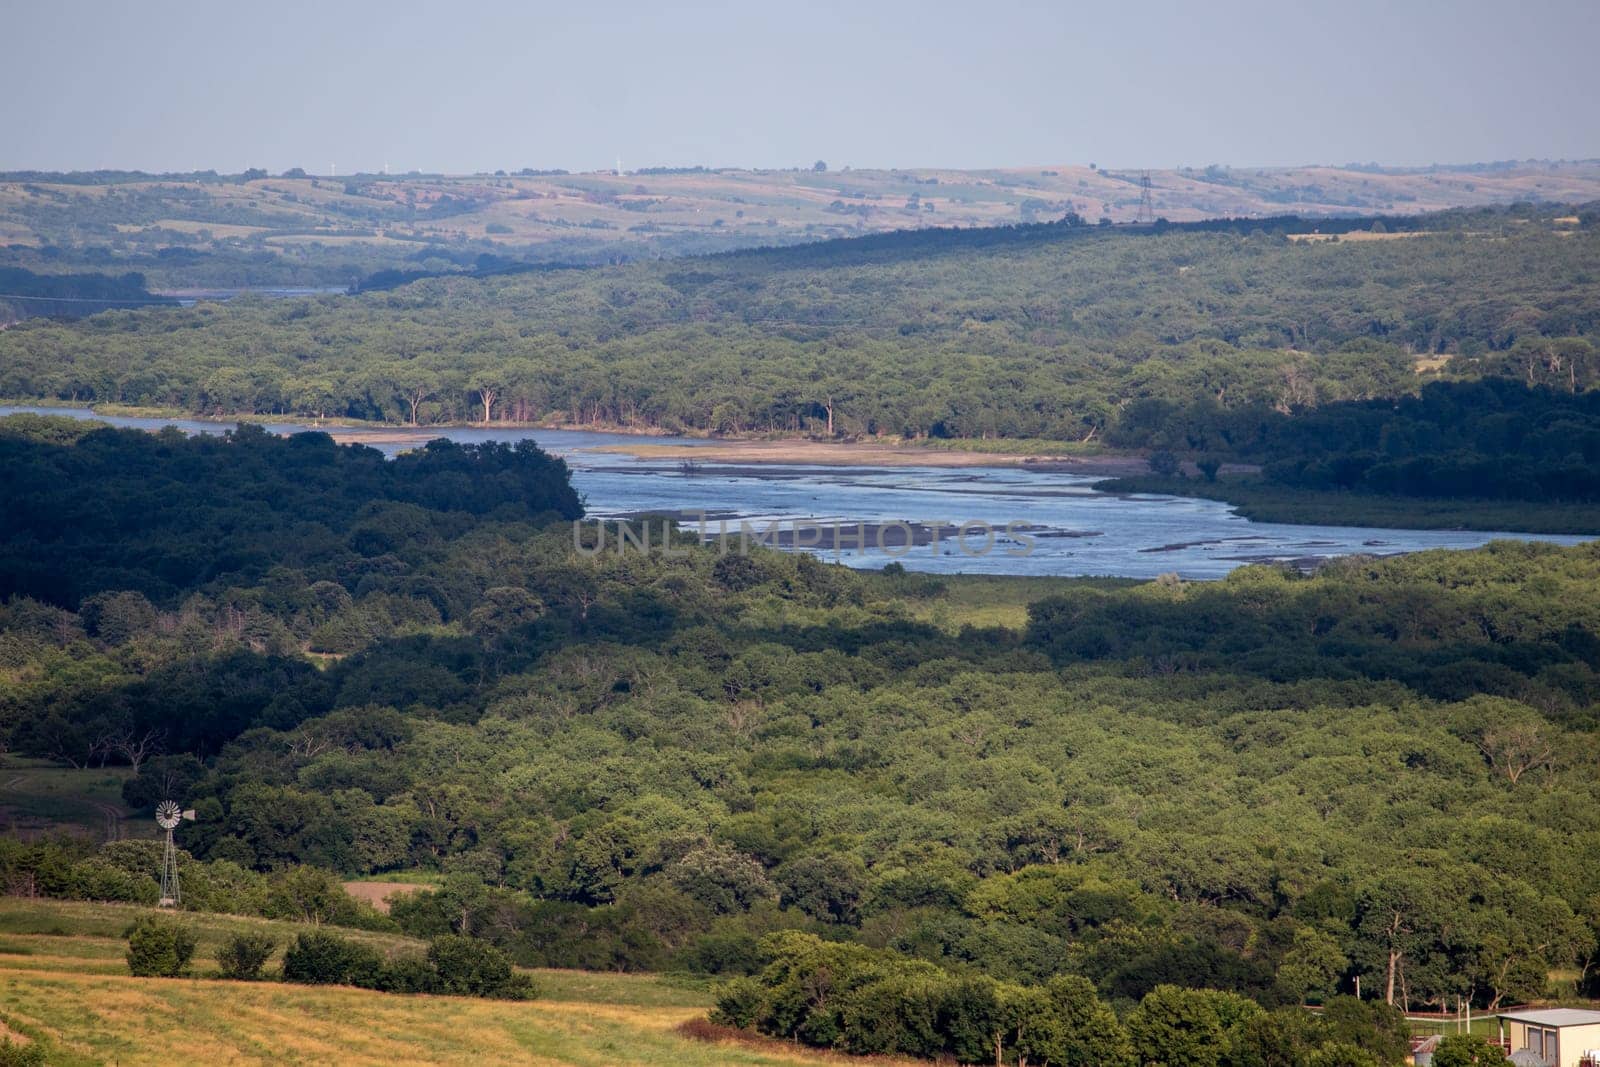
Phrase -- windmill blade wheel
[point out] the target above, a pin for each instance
(168, 815)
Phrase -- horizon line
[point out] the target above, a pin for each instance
(390, 171)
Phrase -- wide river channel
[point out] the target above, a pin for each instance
(1060, 526)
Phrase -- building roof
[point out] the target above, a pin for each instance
(1556, 1017)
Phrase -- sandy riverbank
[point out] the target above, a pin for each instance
(798, 452)
(791, 452)
(827, 454)
(795, 453)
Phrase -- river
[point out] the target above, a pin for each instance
(1062, 527)
(191, 297)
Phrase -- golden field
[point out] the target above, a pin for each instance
(63, 981)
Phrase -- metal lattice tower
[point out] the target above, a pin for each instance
(168, 816)
(1147, 204)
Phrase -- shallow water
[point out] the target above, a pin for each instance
(1074, 530)
(190, 297)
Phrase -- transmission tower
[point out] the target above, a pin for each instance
(1147, 204)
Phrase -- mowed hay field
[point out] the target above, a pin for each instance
(63, 981)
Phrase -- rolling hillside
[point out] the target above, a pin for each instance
(205, 230)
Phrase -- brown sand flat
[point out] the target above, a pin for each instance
(829, 454)
(820, 454)
(418, 437)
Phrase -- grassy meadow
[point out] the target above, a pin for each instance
(63, 981)
(984, 600)
(39, 797)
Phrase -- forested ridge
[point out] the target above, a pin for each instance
(1265, 786)
(24, 294)
(1051, 332)
(1486, 447)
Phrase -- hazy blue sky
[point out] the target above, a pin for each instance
(477, 86)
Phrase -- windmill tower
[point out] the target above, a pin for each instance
(168, 816)
(1147, 204)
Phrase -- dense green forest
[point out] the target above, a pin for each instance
(24, 294)
(1063, 332)
(1471, 453)
(1149, 825)
(1543, 439)
(763, 765)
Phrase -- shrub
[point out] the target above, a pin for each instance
(425, 913)
(1342, 1054)
(159, 947)
(95, 879)
(243, 956)
(466, 966)
(409, 974)
(321, 958)
(1465, 1050)
(308, 894)
(1164, 464)
(461, 966)
(225, 886)
(741, 1003)
(708, 1031)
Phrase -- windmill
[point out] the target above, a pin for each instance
(168, 816)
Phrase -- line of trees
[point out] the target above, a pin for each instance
(1055, 333)
(863, 1001)
(161, 947)
(1490, 439)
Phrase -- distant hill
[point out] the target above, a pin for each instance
(252, 229)
(1053, 332)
